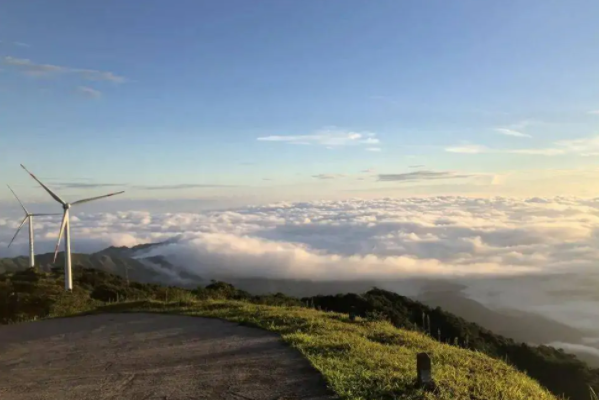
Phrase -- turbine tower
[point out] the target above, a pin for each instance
(28, 217)
(65, 228)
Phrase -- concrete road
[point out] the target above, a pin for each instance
(150, 356)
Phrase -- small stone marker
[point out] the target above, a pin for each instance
(352, 314)
(424, 369)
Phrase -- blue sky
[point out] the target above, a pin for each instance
(266, 100)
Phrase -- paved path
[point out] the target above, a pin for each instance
(150, 357)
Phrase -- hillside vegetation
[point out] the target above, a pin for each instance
(369, 358)
(107, 261)
(560, 372)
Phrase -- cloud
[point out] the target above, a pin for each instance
(374, 149)
(524, 124)
(594, 112)
(586, 147)
(89, 92)
(581, 146)
(18, 44)
(386, 99)
(183, 186)
(83, 185)
(467, 149)
(416, 166)
(575, 348)
(512, 132)
(227, 254)
(370, 140)
(408, 176)
(421, 176)
(34, 69)
(328, 137)
(538, 152)
(329, 176)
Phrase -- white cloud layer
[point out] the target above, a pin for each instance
(417, 236)
(482, 241)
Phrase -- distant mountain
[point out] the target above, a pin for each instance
(518, 325)
(13, 264)
(135, 251)
(115, 261)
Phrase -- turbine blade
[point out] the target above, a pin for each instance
(62, 226)
(18, 230)
(17, 197)
(96, 198)
(54, 195)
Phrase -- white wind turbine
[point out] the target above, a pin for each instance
(28, 216)
(65, 228)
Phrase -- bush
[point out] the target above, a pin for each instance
(73, 303)
(373, 316)
(105, 293)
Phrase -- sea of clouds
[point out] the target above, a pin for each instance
(535, 254)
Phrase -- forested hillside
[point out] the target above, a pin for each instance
(560, 372)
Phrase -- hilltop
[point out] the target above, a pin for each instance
(366, 358)
(26, 295)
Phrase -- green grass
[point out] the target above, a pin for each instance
(366, 359)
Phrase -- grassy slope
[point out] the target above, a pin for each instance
(360, 360)
(368, 359)
(37, 295)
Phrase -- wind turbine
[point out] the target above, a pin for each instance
(28, 216)
(65, 228)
